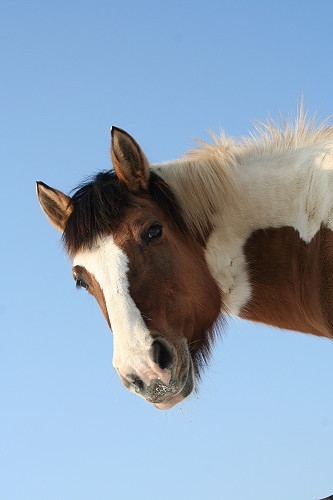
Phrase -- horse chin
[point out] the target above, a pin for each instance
(169, 404)
(183, 394)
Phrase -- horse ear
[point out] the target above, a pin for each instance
(129, 161)
(55, 204)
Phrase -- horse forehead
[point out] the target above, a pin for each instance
(114, 250)
(111, 254)
(103, 258)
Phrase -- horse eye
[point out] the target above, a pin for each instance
(154, 233)
(80, 283)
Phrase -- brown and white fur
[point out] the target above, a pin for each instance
(241, 227)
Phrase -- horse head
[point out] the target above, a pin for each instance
(131, 249)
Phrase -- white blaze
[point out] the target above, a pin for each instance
(132, 339)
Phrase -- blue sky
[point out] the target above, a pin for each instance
(261, 426)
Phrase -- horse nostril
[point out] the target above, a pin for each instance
(136, 381)
(162, 354)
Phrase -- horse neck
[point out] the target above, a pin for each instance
(271, 214)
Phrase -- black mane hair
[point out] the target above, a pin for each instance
(98, 206)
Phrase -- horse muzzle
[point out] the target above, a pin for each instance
(165, 378)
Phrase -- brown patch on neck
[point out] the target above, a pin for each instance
(291, 280)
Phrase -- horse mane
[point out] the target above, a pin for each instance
(99, 204)
(291, 135)
(206, 179)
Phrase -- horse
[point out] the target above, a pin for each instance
(238, 227)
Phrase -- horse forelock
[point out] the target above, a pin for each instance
(98, 208)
